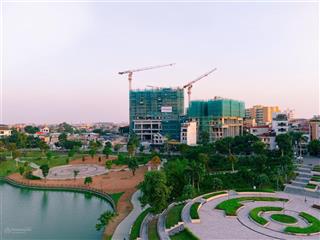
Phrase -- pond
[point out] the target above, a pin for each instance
(38, 214)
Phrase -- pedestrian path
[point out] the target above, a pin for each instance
(123, 229)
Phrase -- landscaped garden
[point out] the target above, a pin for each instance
(255, 214)
(316, 168)
(194, 210)
(184, 235)
(284, 218)
(152, 230)
(231, 206)
(311, 186)
(314, 225)
(135, 230)
(174, 216)
(210, 195)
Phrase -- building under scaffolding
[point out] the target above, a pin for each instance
(155, 113)
(218, 117)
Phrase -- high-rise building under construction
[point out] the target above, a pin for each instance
(218, 117)
(155, 113)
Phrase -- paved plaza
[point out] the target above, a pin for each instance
(67, 171)
(215, 225)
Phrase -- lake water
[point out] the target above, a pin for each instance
(46, 215)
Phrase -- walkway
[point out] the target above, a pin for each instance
(123, 229)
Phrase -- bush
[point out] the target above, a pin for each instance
(314, 226)
(255, 214)
(184, 235)
(231, 206)
(174, 215)
(194, 210)
(135, 230)
(283, 218)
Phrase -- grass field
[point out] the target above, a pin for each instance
(174, 215)
(184, 235)
(135, 230)
(255, 213)
(314, 226)
(152, 230)
(231, 206)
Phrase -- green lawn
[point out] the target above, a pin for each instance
(184, 235)
(207, 196)
(194, 210)
(174, 215)
(314, 226)
(310, 186)
(283, 218)
(7, 167)
(231, 206)
(255, 213)
(152, 230)
(135, 230)
(316, 168)
(315, 178)
(116, 197)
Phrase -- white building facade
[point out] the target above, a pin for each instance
(188, 133)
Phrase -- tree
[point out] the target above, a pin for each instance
(108, 145)
(259, 147)
(71, 153)
(314, 147)
(141, 148)
(188, 192)
(30, 129)
(75, 174)
(263, 180)
(88, 180)
(107, 151)
(154, 191)
(108, 164)
(205, 137)
(131, 149)
(104, 219)
(43, 147)
(224, 145)
(49, 155)
(92, 153)
(11, 148)
(21, 170)
(133, 165)
(45, 170)
(217, 184)
(117, 147)
(204, 159)
(284, 142)
(232, 159)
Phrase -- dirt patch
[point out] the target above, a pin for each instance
(112, 182)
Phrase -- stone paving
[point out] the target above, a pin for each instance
(215, 225)
(67, 171)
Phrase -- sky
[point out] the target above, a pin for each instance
(60, 60)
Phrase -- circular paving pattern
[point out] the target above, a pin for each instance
(282, 219)
(67, 171)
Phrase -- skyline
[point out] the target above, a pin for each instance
(64, 67)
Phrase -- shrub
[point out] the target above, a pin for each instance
(135, 230)
(194, 210)
(314, 226)
(255, 213)
(174, 215)
(283, 218)
(207, 196)
(231, 206)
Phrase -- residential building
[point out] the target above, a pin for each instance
(280, 123)
(259, 130)
(269, 139)
(261, 114)
(45, 130)
(156, 111)
(218, 117)
(188, 133)
(314, 126)
(5, 131)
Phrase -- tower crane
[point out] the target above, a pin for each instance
(190, 84)
(130, 72)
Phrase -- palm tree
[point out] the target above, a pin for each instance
(232, 159)
(75, 174)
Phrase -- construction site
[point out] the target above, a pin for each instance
(158, 114)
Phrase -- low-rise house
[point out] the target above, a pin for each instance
(5, 131)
